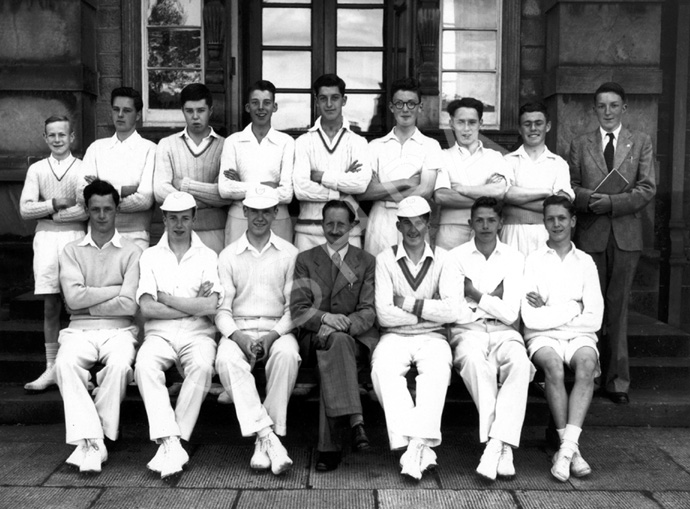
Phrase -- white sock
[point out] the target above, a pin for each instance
(51, 353)
(263, 433)
(560, 432)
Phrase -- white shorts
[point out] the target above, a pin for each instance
(564, 348)
(47, 248)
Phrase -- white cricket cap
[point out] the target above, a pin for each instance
(178, 201)
(261, 197)
(413, 206)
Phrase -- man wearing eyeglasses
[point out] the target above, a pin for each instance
(404, 163)
(470, 171)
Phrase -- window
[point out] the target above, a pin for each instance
(173, 56)
(471, 56)
(300, 40)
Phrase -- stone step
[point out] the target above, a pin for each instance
(646, 408)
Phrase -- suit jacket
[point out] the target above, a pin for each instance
(634, 159)
(314, 293)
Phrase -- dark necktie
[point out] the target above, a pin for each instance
(608, 152)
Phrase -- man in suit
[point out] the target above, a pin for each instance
(609, 228)
(332, 301)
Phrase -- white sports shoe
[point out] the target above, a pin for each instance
(411, 460)
(47, 378)
(174, 457)
(260, 460)
(578, 466)
(95, 454)
(505, 466)
(488, 464)
(561, 464)
(276, 453)
(428, 459)
(225, 398)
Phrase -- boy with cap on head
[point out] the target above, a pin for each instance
(255, 323)
(178, 292)
(50, 196)
(412, 318)
(333, 303)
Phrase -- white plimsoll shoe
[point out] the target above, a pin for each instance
(561, 464)
(95, 454)
(260, 460)
(77, 456)
(47, 378)
(488, 464)
(428, 461)
(505, 466)
(225, 398)
(578, 466)
(174, 457)
(411, 461)
(277, 454)
(156, 462)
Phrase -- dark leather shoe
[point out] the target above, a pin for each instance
(360, 441)
(619, 398)
(327, 461)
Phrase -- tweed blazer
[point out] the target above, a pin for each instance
(634, 159)
(314, 293)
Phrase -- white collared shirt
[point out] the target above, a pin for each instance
(116, 240)
(342, 251)
(564, 285)
(271, 160)
(392, 160)
(549, 170)
(243, 244)
(604, 136)
(198, 149)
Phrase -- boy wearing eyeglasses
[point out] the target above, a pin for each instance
(470, 171)
(404, 163)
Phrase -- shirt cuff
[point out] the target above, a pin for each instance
(408, 304)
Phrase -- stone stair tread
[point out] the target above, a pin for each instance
(660, 362)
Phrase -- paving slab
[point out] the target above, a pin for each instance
(223, 466)
(445, 499)
(673, 499)
(29, 464)
(42, 498)
(126, 467)
(307, 499)
(584, 500)
(175, 498)
(377, 468)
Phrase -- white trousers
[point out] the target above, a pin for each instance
(215, 239)
(235, 373)
(524, 237)
(79, 351)
(485, 359)
(195, 355)
(393, 356)
(449, 236)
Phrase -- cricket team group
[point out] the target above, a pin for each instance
(531, 266)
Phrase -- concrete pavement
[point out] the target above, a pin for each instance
(632, 468)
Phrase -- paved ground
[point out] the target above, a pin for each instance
(633, 468)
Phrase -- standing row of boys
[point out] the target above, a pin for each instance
(414, 290)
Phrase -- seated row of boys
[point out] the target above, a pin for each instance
(436, 310)
(329, 161)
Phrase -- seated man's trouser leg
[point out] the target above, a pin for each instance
(196, 355)
(391, 361)
(79, 351)
(337, 363)
(485, 358)
(281, 374)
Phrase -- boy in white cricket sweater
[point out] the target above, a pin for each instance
(49, 196)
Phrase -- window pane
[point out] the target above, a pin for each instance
(287, 69)
(470, 13)
(481, 86)
(294, 111)
(361, 69)
(174, 12)
(174, 48)
(165, 86)
(378, 2)
(469, 50)
(287, 27)
(360, 27)
(287, 1)
(364, 112)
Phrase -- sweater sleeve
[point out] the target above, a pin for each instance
(143, 198)
(77, 294)
(30, 204)
(224, 320)
(355, 182)
(124, 303)
(305, 188)
(284, 325)
(388, 314)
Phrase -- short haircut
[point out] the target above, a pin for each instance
(535, 107)
(58, 118)
(487, 202)
(263, 85)
(406, 85)
(328, 80)
(128, 92)
(466, 102)
(339, 204)
(610, 86)
(101, 188)
(196, 92)
(559, 199)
